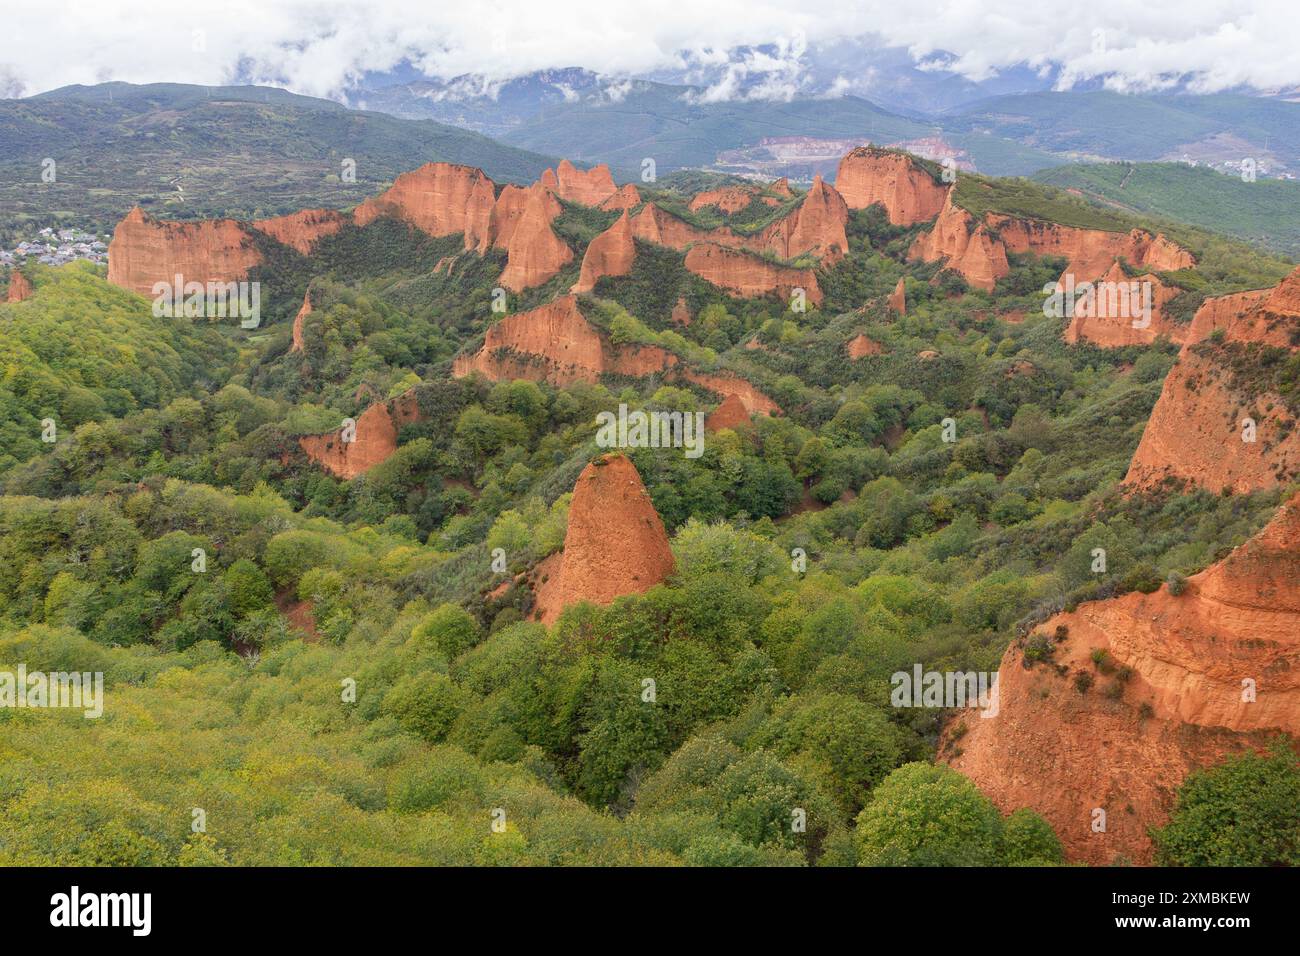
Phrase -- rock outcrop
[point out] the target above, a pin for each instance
(898, 298)
(440, 199)
(725, 384)
(20, 290)
(860, 347)
(554, 343)
(374, 438)
(729, 199)
(908, 192)
(966, 246)
(731, 413)
(1195, 435)
(1193, 659)
(534, 252)
(610, 254)
(302, 230)
(615, 544)
(816, 226)
(1116, 314)
(1090, 252)
(589, 188)
(303, 312)
(626, 197)
(748, 276)
(681, 314)
(145, 251)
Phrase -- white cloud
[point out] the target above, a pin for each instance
(322, 49)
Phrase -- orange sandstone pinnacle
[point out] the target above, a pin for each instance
(615, 544)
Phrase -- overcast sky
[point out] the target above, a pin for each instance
(320, 47)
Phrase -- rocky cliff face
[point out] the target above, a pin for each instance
(555, 343)
(615, 544)
(730, 199)
(749, 276)
(1115, 317)
(535, 253)
(1066, 754)
(731, 413)
(898, 298)
(1091, 252)
(1195, 433)
(145, 251)
(816, 226)
(302, 230)
(725, 384)
(20, 290)
(968, 248)
(303, 312)
(626, 197)
(610, 254)
(440, 199)
(907, 191)
(589, 188)
(375, 438)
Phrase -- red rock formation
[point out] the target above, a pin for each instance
(1065, 754)
(749, 276)
(626, 197)
(726, 384)
(145, 251)
(535, 253)
(615, 544)
(860, 346)
(652, 224)
(898, 298)
(610, 254)
(302, 230)
(554, 343)
(1115, 316)
(589, 188)
(731, 413)
(1195, 431)
(506, 213)
(1221, 311)
(440, 199)
(782, 188)
(297, 322)
(20, 290)
(1091, 252)
(375, 438)
(729, 198)
(816, 226)
(906, 190)
(681, 314)
(966, 245)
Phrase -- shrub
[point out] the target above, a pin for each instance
(1039, 648)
